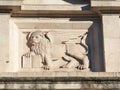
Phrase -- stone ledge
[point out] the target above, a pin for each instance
(52, 25)
(62, 74)
(11, 2)
(55, 7)
(58, 79)
(105, 3)
(55, 2)
(105, 6)
(59, 83)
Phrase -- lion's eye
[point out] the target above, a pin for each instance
(36, 37)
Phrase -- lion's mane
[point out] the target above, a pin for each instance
(40, 48)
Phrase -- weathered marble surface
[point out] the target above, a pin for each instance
(59, 83)
(100, 18)
(44, 50)
(104, 37)
(30, 81)
(104, 3)
(111, 33)
(61, 29)
(4, 41)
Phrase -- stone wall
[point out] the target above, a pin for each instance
(59, 44)
(60, 81)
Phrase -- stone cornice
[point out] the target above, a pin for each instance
(55, 74)
(63, 80)
(11, 2)
(92, 8)
(110, 6)
(105, 3)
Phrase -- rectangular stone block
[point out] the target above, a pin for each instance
(4, 42)
(36, 62)
(11, 2)
(111, 33)
(54, 7)
(105, 3)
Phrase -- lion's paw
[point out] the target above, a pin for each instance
(81, 67)
(64, 66)
(46, 67)
(29, 54)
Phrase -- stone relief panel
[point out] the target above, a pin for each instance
(56, 51)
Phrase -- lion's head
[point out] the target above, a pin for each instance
(38, 42)
(35, 37)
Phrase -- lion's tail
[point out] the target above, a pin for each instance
(83, 42)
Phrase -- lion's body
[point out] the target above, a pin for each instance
(40, 45)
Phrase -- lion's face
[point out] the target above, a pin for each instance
(35, 38)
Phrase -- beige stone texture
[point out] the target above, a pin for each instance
(111, 32)
(65, 5)
(4, 42)
(59, 44)
(11, 2)
(45, 2)
(60, 29)
(56, 74)
(15, 30)
(105, 3)
(53, 7)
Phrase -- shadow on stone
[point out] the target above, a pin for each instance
(95, 35)
(77, 1)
